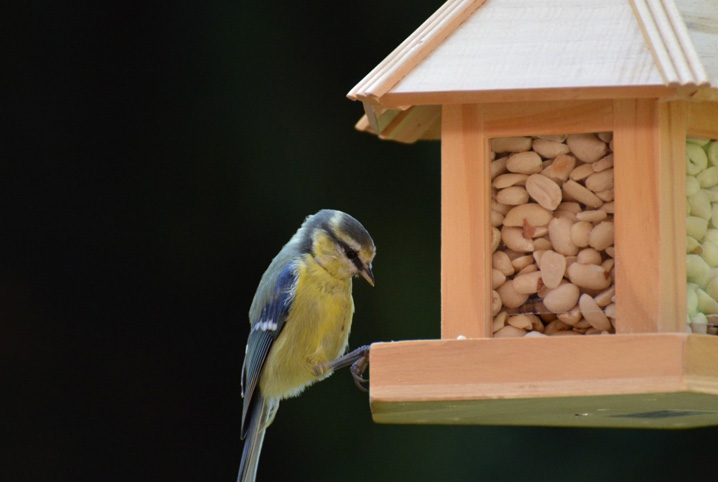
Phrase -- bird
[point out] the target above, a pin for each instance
(300, 319)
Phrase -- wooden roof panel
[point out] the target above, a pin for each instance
(489, 51)
(524, 44)
(701, 20)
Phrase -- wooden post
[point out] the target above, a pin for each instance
(649, 185)
(465, 224)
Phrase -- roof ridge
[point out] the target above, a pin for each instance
(413, 50)
(667, 36)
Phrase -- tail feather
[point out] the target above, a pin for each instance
(261, 416)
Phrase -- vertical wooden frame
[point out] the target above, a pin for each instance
(649, 183)
(465, 224)
(672, 168)
(649, 145)
(466, 197)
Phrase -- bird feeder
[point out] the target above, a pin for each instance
(579, 213)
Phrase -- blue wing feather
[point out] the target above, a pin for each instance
(264, 331)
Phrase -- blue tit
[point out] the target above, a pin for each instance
(300, 320)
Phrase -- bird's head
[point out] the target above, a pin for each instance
(340, 244)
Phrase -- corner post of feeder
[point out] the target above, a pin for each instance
(650, 215)
(465, 224)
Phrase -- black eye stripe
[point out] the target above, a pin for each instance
(351, 254)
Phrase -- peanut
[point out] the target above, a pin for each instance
(528, 283)
(534, 214)
(601, 236)
(514, 239)
(562, 298)
(588, 256)
(593, 313)
(511, 144)
(561, 167)
(548, 148)
(580, 232)
(592, 216)
(553, 267)
(559, 232)
(512, 196)
(509, 331)
(501, 261)
(499, 321)
(524, 163)
(521, 321)
(589, 276)
(604, 163)
(509, 179)
(581, 194)
(544, 191)
(600, 181)
(587, 147)
(509, 296)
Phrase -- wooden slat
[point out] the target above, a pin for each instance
(671, 172)
(540, 118)
(701, 20)
(667, 36)
(682, 37)
(465, 224)
(413, 50)
(702, 119)
(412, 124)
(639, 245)
(526, 367)
(547, 381)
(442, 96)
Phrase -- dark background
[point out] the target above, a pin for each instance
(156, 157)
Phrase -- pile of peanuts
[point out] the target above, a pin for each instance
(702, 235)
(552, 235)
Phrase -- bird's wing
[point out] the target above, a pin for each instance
(263, 333)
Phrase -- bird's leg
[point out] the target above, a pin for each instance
(358, 360)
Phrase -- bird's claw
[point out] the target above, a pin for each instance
(358, 368)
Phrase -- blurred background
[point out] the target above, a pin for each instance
(157, 155)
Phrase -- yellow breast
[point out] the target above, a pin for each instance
(316, 331)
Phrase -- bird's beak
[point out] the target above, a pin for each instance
(367, 274)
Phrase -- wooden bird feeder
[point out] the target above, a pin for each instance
(579, 228)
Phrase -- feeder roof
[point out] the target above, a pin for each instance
(520, 50)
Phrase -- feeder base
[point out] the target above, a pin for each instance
(655, 381)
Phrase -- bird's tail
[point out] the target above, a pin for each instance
(260, 417)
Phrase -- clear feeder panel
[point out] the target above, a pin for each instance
(702, 235)
(552, 235)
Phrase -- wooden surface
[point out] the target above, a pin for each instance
(407, 126)
(562, 43)
(547, 117)
(701, 19)
(394, 99)
(670, 43)
(672, 208)
(413, 50)
(649, 295)
(617, 380)
(471, 51)
(465, 224)
(702, 119)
